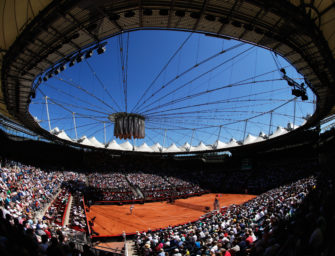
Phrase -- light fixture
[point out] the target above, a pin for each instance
(101, 49)
(62, 67)
(72, 62)
(304, 97)
(296, 92)
(89, 54)
(79, 58)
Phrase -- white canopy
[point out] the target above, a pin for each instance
(280, 131)
(55, 131)
(85, 141)
(172, 148)
(96, 143)
(144, 148)
(232, 143)
(290, 126)
(262, 134)
(259, 139)
(185, 147)
(63, 135)
(126, 145)
(200, 147)
(249, 139)
(156, 147)
(219, 144)
(114, 145)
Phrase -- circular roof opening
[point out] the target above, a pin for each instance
(195, 92)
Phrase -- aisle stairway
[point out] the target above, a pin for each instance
(137, 192)
(68, 211)
(131, 248)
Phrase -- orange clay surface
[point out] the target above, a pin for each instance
(112, 220)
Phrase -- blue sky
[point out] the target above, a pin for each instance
(189, 101)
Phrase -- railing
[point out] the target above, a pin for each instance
(88, 226)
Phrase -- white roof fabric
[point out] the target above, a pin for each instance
(55, 131)
(157, 147)
(200, 147)
(114, 145)
(249, 139)
(259, 139)
(185, 147)
(280, 131)
(253, 139)
(96, 143)
(232, 143)
(219, 144)
(262, 134)
(85, 141)
(290, 126)
(126, 145)
(63, 135)
(144, 148)
(172, 148)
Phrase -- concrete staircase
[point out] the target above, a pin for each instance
(131, 248)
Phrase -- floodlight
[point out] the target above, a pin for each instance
(79, 58)
(296, 92)
(89, 54)
(304, 97)
(101, 49)
(72, 62)
(62, 67)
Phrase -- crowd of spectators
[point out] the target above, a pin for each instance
(56, 211)
(25, 190)
(110, 187)
(257, 227)
(77, 214)
(24, 238)
(160, 185)
(247, 229)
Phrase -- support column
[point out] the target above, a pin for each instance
(219, 132)
(245, 128)
(164, 138)
(270, 125)
(294, 110)
(47, 107)
(75, 126)
(105, 133)
(192, 137)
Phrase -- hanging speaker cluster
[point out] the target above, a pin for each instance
(128, 125)
(298, 90)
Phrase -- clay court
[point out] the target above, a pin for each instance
(112, 220)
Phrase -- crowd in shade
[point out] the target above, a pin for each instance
(160, 185)
(77, 214)
(110, 187)
(257, 227)
(129, 186)
(115, 182)
(255, 181)
(147, 181)
(248, 229)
